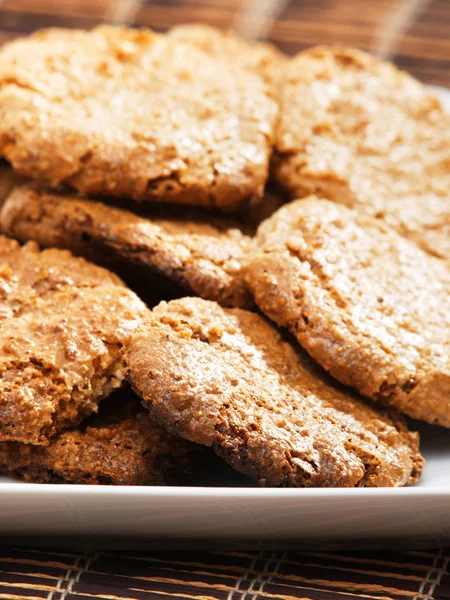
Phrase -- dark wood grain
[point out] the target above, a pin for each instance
(421, 46)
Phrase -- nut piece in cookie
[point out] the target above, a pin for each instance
(226, 378)
(370, 306)
(120, 445)
(130, 113)
(63, 324)
(196, 253)
(360, 132)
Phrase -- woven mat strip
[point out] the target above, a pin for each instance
(224, 576)
(282, 575)
(55, 575)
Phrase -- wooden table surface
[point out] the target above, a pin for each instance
(413, 33)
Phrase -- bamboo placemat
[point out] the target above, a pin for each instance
(416, 35)
(56, 575)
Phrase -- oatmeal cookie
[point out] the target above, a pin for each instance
(226, 378)
(131, 113)
(120, 445)
(63, 324)
(358, 131)
(197, 253)
(370, 306)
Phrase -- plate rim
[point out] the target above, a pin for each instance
(243, 493)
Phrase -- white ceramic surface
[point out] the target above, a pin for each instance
(247, 515)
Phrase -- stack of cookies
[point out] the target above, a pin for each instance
(208, 245)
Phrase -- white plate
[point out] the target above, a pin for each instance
(248, 515)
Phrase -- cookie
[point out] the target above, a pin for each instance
(367, 304)
(130, 113)
(226, 378)
(358, 131)
(120, 445)
(261, 58)
(8, 180)
(64, 322)
(198, 254)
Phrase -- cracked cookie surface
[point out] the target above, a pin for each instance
(130, 113)
(200, 254)
(358, 131)
(120, 445)
(258, 57)
(367, 304)
(63, 324)
(226, 378)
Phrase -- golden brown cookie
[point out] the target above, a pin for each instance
(130, 113)
(63, 324)
(360, 132)
(261, 58)
(8, 180)
(367, 304)
(226, 378)
(198, 253)
(120, 445)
